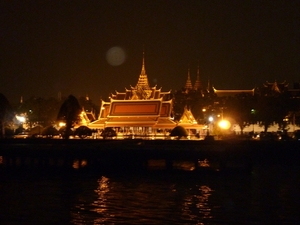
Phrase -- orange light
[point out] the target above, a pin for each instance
(224, 124)
(62, 124)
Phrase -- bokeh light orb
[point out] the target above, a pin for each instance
(115, 56)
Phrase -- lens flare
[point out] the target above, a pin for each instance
(115, 56)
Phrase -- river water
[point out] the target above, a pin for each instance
(267, 195)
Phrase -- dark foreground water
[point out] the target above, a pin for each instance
(268, 195)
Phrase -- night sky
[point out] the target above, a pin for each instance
(77, 47)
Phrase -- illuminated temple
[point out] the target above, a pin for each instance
(139, 110)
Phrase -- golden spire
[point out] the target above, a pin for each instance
(143, 65)
(188, 84)
(197, 85)
(143, 79)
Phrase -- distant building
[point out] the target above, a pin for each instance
(233, 93)
(275, 88)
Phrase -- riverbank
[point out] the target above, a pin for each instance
(138, 154)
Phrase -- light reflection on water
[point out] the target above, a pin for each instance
(270, 195)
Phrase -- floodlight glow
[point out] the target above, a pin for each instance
(224, 124)
(210, 119)
(62, 124)
(21, 119)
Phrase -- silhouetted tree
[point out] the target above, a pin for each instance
(6, 114)
(271, 109)
(108, 132)
(69, 112)
(83, 131)
(49, 131)
(239, 108)
(179, 132)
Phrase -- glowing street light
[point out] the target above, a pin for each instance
(21, 119)
(62, 124)
(224, 124)
(210, 119)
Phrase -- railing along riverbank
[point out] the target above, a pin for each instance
(142, 155)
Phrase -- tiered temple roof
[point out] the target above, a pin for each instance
(139, 106)
(274, 88)
(188, 120)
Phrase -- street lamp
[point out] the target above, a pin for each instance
(224, 124)
(21, 119)
(210, 119)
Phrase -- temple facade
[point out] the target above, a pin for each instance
(139, 110)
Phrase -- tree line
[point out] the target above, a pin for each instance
(42, 112)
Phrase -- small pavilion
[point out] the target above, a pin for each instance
(189, 122)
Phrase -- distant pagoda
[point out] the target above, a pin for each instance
(188, 85)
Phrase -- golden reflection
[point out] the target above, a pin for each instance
(79, 163)
(203, 201)
(75, 164)
(184, 165)
(100, 203)
(97, 205)
(204, 163)
(198, 203)
(83, 163)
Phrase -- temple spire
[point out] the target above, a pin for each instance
(197, 85)
(143, 79)
(143, 65)
(188, 84)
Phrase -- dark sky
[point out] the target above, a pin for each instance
(57, 45)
